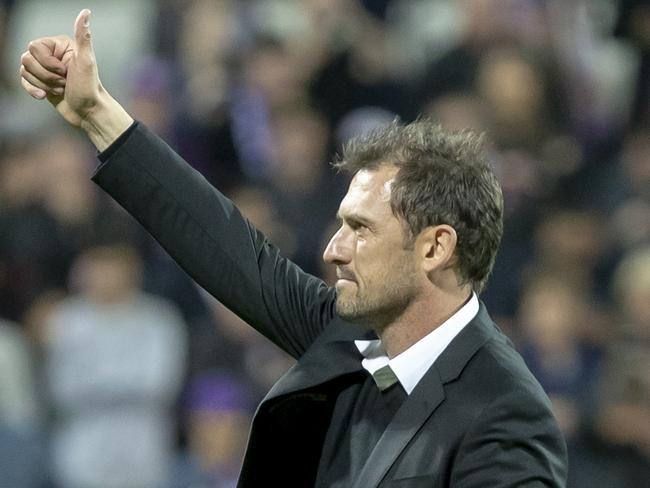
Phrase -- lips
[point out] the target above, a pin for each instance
(344, 275)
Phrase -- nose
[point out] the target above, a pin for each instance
(338, 250)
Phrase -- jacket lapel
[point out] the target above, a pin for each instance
(333, 354)
(425, 398)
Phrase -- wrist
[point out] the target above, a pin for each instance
(106, 121)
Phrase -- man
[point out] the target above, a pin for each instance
(420, 226)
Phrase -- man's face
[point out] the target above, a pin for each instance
(376, 274)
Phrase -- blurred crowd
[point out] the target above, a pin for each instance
(117, 371)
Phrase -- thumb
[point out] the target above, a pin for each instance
(82, 32)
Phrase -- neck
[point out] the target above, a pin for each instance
(423, 315)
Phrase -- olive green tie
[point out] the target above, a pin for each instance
(384, 378)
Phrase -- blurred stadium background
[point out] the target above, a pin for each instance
(116, 371)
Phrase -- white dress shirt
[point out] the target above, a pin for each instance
(411, 365)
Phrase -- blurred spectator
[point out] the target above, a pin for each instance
(553, 318)
(114, 363)
(207, 36)
(217, 411)
(22, 437)
(300, 178)
(513, 87)
(267, 82)
(626, 407)
(83, 216)
(569, 243)
(50, 212)
(209, 33)
(617, 451)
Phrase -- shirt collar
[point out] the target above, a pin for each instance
(411, 365)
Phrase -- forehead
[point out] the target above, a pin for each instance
(369, 192)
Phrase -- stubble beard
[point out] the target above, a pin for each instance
(378, 305)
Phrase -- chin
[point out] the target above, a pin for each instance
(350, 312)
(345, 309)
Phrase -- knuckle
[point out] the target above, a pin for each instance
(29, 61)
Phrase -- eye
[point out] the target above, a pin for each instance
(359, 228)
(355, 225)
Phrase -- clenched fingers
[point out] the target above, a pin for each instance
(34, 91)
(32, 80)
(48, 52)
(39, 72)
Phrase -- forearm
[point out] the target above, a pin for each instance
(106, 122)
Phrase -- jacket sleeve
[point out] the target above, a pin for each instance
(219, 248)
(514, 443)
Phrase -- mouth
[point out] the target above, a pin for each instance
(343, 277)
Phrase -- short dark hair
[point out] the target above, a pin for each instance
(443, 178)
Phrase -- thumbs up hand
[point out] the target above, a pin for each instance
(63, 70)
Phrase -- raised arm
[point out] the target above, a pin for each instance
(202, 230)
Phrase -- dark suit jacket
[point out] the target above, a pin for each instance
(478, 418)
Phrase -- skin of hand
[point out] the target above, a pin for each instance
(63, 70)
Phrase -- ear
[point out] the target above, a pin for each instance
(436, 246)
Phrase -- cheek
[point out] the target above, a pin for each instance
(372, 263)
(363, 255)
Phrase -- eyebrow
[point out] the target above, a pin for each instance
(355, 218)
